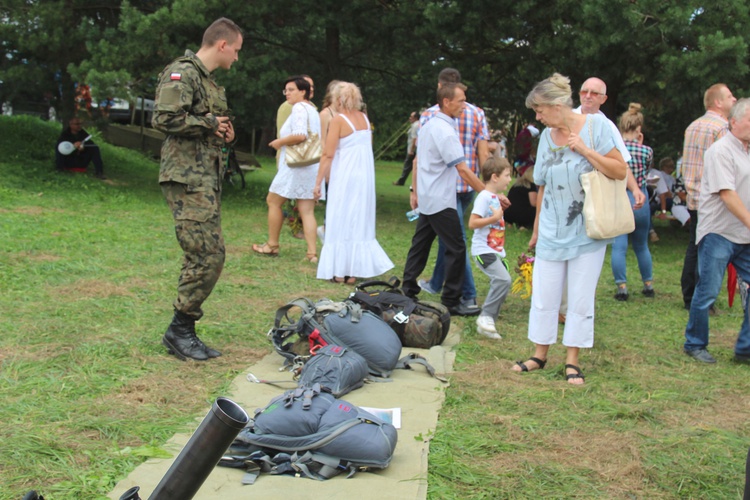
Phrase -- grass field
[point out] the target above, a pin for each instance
(88, 272)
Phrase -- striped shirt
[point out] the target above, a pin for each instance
(727, 167)
(641, 159)
(699, 136)
(472, 128)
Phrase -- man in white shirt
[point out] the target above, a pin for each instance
(440, 162)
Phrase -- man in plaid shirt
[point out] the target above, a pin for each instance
(699, 136)
(474, 136)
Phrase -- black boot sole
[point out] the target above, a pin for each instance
(210, 356)
(176, 353)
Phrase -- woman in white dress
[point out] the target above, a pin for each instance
(293, 183)
(350, 249)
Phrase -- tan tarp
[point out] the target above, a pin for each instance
(417, 394)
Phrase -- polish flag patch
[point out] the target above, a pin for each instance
(175, 76)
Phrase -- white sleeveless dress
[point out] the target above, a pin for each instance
(350, 247)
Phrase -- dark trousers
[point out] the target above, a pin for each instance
(446, 225)
(690, 265)
(90, 154)
(408, 164)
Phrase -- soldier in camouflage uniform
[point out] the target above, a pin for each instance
(192, 110)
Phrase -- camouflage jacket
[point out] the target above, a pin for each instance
(185, 97)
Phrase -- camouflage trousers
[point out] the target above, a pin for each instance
(197, 221)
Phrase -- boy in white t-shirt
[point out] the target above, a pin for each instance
(488, 242)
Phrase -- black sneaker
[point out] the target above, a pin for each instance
(463, 310)
(622, 294)
(648, 291)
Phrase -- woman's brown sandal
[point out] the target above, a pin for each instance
(312, 258)
(266, 249)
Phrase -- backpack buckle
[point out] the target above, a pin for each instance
(401, 318)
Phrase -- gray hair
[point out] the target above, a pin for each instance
(738, 111)
(550, 92)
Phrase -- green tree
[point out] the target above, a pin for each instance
(44, 40)
(661, 54)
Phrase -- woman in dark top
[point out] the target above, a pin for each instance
(522, 196)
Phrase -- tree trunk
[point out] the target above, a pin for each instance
(333, 51)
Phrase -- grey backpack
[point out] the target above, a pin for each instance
(310, 433)
(302, 326)
(336, 368)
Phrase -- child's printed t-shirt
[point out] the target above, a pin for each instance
(491, 238)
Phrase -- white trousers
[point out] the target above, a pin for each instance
(549, 278)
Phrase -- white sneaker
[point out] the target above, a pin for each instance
(486, 327)
(321, 233)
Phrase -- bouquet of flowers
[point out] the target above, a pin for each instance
(524, 268)
(291, 214)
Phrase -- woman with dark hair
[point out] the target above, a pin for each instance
(641, 159)
(293, 183)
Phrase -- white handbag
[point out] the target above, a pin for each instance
(607, 211)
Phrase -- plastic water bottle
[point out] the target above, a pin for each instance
(412, 215)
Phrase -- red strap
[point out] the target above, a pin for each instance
(316, 341)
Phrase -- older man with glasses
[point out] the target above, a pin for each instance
(593, 95)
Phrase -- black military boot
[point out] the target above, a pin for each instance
(180, 339)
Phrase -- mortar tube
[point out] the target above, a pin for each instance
(131, 494)
(204, 450)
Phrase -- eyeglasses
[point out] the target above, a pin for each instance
(285, 91)
(591, 93)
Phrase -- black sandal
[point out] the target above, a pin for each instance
(577, 374)
(538, 361)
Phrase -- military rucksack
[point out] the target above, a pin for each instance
(307, 432)
(336, 368)
(301, 327)
(418, 323)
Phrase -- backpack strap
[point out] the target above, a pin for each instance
(326, 466)
(285, 327)
(308, 394)
(283, 312)
(376, 301)
(411, 358)
(391, 285)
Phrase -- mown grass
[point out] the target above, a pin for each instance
(88, 270)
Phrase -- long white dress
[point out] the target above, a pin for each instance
(350, 247)
(297, 183)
